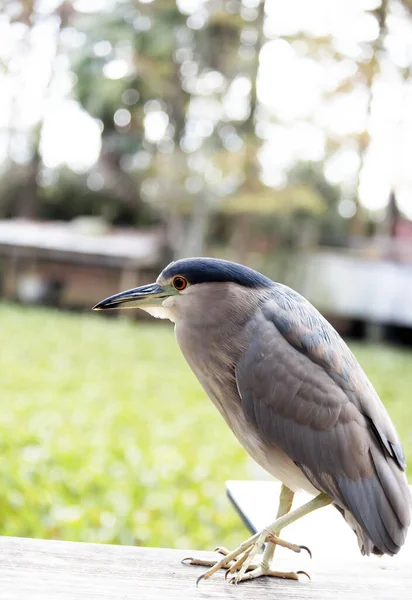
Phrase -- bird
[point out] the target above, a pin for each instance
(294, 395)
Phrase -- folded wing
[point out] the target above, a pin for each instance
(305, 392)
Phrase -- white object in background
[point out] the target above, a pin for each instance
(30, 289)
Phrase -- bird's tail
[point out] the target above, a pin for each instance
(382, 516)
(366, 545)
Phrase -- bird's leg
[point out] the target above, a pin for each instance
(255, 543)
(263, 568)
(285, 504)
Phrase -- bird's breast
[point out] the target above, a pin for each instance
(213, 366)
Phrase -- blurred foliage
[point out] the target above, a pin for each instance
(293, 199)
(106, 435)
(194, 70)
(184, 66)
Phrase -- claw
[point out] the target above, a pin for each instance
(307, 550)
(230, 571)
(237, 565)
(222, 550)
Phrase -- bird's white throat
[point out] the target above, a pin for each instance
(159, 312)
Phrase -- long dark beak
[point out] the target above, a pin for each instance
(145, 296)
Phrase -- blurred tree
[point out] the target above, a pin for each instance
(188, 142)
(133, 70)
(21, 197)
(189, 120)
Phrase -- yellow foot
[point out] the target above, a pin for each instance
(262, 571)
(294, 547)
(254, 570)
(202, 562)
(240, 564)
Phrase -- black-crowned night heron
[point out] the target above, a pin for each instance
(293, 394)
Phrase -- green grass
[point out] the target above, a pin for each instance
(106, 436)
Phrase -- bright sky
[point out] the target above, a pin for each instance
(291, 89)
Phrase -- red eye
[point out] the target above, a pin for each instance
(179, 283)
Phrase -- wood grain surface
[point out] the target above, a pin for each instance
(45, 570)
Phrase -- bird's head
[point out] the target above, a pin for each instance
(189, 285)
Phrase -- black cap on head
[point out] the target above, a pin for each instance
(202, 270)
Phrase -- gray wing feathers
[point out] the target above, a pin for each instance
(304, 391)
(309, 333)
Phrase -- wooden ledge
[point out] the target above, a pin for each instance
(45, 570)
